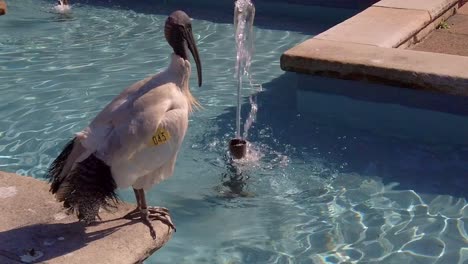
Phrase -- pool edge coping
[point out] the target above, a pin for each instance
(385, 60)
(31, 214)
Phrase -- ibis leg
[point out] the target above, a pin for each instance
(153, 212)
(149, 213)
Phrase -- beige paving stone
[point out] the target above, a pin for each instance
(444, 42)
(458, 24)
(423, 33)
(34, 227)
(463, 10)
(363, 47)
(434, 7)
(451, 40)
(379, 26)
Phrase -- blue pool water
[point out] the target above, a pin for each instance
(322, 185)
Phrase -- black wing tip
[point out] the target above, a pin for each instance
(90, 187)
(57, 165)
(85, 189)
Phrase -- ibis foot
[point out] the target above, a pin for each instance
(150, 214)
(159, 213)
(132, 214)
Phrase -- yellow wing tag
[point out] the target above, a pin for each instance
(160, 137)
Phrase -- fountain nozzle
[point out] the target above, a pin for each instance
(238, 148)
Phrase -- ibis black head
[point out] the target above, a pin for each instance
(62, 2)
(178, 32)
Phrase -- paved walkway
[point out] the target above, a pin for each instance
(35, 229)
(372, 47)
(451, 40)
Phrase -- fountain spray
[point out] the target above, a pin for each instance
(244, 13)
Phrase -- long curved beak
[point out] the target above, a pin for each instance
(193, 49)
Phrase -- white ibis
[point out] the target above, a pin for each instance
(3, 8)
(134, 140)
(62, 6)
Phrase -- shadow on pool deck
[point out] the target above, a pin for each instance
(415, 163)
(58, 239)
(49, 232)
(32, 221)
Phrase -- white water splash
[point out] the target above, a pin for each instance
(244, 13)
(62, 8)
(253, 108)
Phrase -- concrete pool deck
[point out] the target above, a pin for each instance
(450, 38)
(35, 229)
(373, 46)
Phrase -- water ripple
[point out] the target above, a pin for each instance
(303, 199)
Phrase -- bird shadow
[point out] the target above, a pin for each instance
(46, 241)
(63, 17)
(234, 182)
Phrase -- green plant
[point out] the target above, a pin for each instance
(443, 25)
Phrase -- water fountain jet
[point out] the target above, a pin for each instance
(244, 13)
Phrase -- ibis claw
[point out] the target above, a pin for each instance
(161, 214)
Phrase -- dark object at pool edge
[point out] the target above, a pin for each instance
(238, 148)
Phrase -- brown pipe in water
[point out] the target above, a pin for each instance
(238, 148)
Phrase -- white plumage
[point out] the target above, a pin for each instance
(121, 134)
(62, 6)
(135, 139)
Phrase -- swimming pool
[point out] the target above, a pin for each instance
(324, 188)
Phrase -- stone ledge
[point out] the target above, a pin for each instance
(363, 48)
(31, 219)
(378, 26)
(413, 69)
(433, 7)
(452, 40)
(390, 23)
(426, 30)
